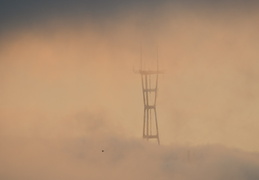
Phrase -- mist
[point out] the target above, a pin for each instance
(69, 91)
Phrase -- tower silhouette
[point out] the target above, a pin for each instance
(149, 82)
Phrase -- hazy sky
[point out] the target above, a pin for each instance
(20, 12)
(68, 90)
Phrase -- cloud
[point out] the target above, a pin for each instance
(21, 14)
(82, 158)
(68, 92)
(208, 94)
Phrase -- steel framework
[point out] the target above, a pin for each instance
(149, 82)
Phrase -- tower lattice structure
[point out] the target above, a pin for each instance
(149, 82)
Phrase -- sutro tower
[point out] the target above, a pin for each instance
(149, 81)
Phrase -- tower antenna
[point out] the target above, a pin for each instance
(149, 82)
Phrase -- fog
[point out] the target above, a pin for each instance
(69, 91)
(83, 158)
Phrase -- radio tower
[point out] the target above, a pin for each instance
(149, 81)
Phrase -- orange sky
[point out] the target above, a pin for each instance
(54, 71)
